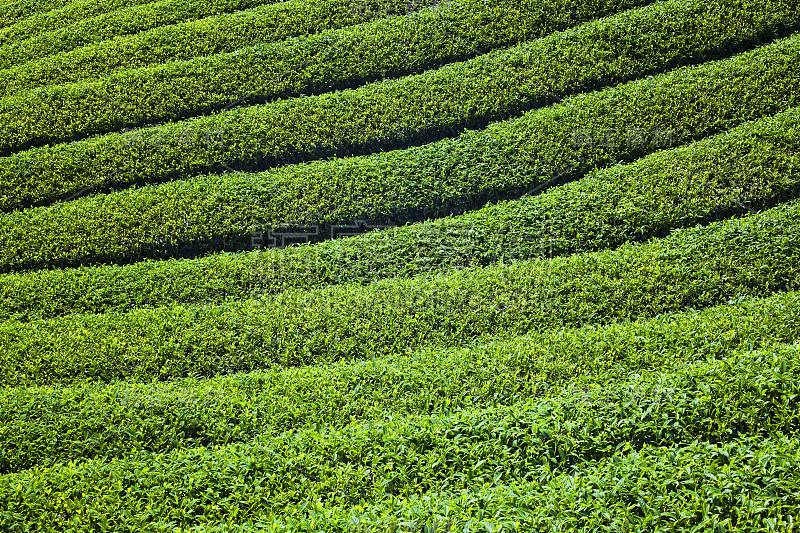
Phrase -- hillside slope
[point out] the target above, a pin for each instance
(400, 265)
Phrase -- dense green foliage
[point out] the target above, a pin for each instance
(216, 212)
(709, 401)
(15, 12)
(87, 21)
(581, 311)
(212, 35)
(336, 59)
(389, 114)
(746, 485)
(52, 15)
(46, 424)
(753, 166)
(696, 267)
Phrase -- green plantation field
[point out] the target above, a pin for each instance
(400, 265)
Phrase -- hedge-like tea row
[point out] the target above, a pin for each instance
(753, 166)
(747, 394)
(212, 213)
(332, 60)
(691, 268)
(14, 12)
(390, 114)
(14, 37)
(213, 35)
(748, 484)
(43, 425)
(83, 22)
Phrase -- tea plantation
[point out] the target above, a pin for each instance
(400, 265)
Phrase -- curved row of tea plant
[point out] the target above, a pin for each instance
(332, 60)
(55, 424)
(219, 34)
(581, 356)
(211, 213)
(386, 115)
(696, 268)
(16, 12)
(747, 484)
(746, 394)
(84, 22)
(751, 167)
(51, 15)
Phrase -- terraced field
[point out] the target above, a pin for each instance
(400, 265)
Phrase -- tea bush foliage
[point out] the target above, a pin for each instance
(548, 276)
